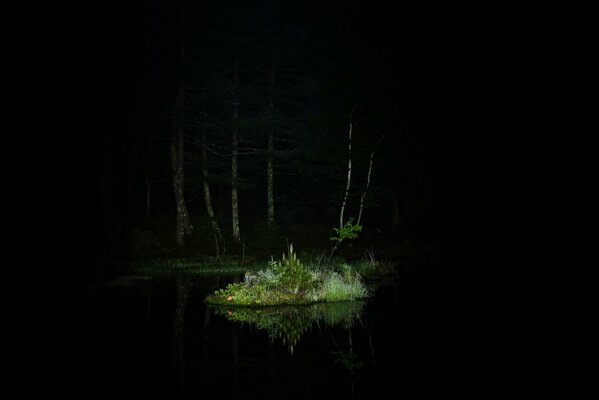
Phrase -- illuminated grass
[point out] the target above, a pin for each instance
(288, 282)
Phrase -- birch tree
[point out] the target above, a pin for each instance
(349, 157)
(350, 230)
(367, 182)
(206, 186)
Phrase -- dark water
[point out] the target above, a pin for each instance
(156, 339)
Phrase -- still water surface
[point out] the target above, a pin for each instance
(155, 338)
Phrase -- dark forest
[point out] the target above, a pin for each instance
(218, 142)
(286, 80)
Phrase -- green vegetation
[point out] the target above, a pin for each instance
(289, 323)
(347, 232)
(373, 269)
(288, 282)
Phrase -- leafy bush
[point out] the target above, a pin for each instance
(348, 231)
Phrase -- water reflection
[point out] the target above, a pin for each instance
(178, 355)
(289, 323)
(157, 338)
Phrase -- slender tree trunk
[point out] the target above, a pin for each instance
(365, 190)
(178, 147)
(177, 153)
(348, 175)
(271, 144)
(367, 182)
(235, 147)
(207, 197)
(346, 187)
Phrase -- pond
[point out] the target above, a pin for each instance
(155, 338)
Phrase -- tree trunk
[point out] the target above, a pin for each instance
(365, 190)
(269, 180)
(178, 147)
(207, 197)
(235, 146)
(348, 175)
(367, 182)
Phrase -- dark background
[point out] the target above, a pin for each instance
(496, 79)
(442, 69)
(462, 74)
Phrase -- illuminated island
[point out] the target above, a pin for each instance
(288, 282)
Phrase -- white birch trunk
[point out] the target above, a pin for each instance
(367, 182)
(365, 190)
(348, 178)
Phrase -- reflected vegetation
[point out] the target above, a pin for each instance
(289, 323)
(157, 336)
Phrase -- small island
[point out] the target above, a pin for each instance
(288, 282)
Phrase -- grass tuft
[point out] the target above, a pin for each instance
(290, 282)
